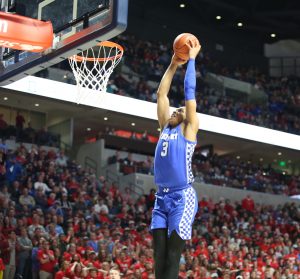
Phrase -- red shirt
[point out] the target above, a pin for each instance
(48, 266)
(59, 275)
(248, 204)
(290, 257)
(201, 251)
(98, 276)
(139, 266)
(203, 204)
(95, 263)
(222, 257)
(68, 257)
(2, 267)
(83, 250)
(124, 264)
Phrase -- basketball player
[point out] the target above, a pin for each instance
(176, 201)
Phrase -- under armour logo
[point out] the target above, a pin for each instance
(166, 190)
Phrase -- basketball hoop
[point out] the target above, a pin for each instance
(93, 67)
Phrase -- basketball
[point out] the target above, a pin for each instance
(179, 46)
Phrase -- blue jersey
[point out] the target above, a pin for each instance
(173, 159)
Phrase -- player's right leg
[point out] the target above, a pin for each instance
(160, 236)
(160, 240)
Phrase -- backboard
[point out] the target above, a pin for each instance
(77, 24)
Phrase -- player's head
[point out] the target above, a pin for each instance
(177, 117)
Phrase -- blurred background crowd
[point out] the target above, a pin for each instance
(58, 220)
(147, 60)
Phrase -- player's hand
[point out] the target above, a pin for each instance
(177, 61)
(194, 48)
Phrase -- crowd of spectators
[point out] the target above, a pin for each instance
(224, 171)
(232, 172)
(30, 135)
(128, 165)
(148, 61)
(58, 220)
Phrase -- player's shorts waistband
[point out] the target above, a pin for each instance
(166, 190)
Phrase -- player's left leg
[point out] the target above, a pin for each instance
(175, 246)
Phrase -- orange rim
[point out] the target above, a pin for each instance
(79, 58)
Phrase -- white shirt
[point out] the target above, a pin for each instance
(99, 207)
(43, 186)
(12, 260)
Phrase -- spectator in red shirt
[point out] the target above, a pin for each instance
(8, 248)
(47, 261)
(2, 268)
(92, 260)
(71, 253)
(20, 120)
(84, 248)
(62, 272)
(76, 271)
(93, 273)
(123, 261)
(3, 123)
(248, 204)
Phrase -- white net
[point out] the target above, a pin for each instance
(93, 67)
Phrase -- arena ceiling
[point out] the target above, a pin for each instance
(260, 18)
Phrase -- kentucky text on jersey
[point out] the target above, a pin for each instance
(168, 137)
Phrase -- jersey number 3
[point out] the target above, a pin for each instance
(164, 151)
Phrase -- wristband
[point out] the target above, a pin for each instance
(190, 81)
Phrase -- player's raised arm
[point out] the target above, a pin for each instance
(163, 104)
(190, 86)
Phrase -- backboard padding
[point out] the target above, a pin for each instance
(102, 26)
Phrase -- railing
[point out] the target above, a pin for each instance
(90, 163)
(112, 176)
(133, 187)
(65, 146)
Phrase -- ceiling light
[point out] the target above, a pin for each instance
(5, 98)
(37, 105)
(218, 17)
(132, 124)
(273, 35)
(279, 153)
(240, 24)
(88, 129)
(238, 157)
(105, 118)
(182, 5)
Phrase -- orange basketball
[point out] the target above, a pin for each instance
(179, 46)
